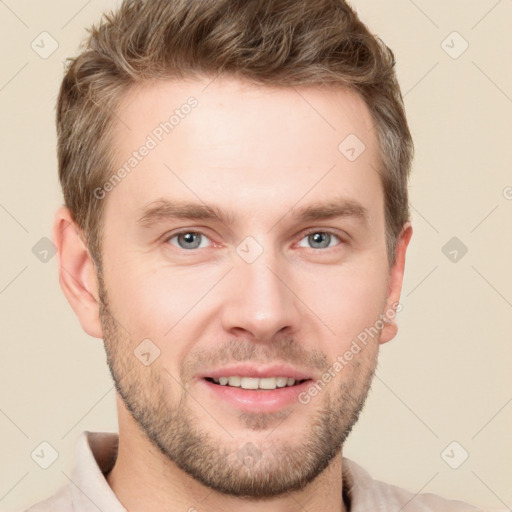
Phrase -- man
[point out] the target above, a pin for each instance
(235, 229)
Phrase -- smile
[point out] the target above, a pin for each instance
(267, 383)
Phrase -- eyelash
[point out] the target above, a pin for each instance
(304, 235)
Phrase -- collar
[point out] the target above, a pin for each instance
(96, 453)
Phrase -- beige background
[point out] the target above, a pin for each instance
(446, 377)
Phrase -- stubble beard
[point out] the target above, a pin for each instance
(250, 469)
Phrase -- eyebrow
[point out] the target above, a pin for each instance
(333, 209)
(163, 209)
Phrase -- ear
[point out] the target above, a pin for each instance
(396, 275)
(77, 272)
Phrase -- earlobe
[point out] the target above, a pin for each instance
(396, 276)
(77, 272)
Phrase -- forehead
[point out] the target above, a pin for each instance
(253, 147)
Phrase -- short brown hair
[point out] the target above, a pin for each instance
(267, 42)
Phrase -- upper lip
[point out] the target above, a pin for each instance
(257, 371)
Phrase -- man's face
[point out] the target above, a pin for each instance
(267, 290)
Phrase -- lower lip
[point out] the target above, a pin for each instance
(257, 400)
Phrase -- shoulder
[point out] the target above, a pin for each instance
(365, 493)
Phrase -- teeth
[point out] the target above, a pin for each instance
(255, 383)
(281, 382)
(249, 383)
(234, 381)
(268, 383)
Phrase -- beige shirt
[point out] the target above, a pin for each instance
(96, 452)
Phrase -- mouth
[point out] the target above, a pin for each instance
(255, 388)
(255, 383)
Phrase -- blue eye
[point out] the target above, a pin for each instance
(320, 239)
(189, 240)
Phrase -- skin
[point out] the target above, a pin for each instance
(261, 153)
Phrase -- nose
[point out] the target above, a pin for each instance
(261, 300)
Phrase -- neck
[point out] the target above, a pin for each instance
(145, 479)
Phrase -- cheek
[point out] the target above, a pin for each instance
(349, 301)
(152, 302)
